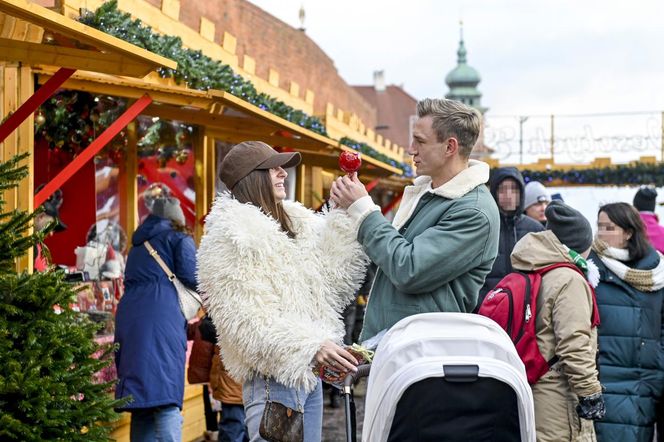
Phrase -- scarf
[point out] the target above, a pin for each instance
(588, 267)
(642, 280)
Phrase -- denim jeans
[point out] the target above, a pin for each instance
(232, 427)
(163, 424)
(254, 397)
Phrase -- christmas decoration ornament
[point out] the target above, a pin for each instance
(40, 119)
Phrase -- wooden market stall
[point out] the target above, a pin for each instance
(31, 35)
(43, 53)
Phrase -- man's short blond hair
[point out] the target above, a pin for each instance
(452, 119)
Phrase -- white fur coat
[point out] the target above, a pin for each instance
(274, 299)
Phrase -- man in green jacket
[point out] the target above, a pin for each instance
(440, 247)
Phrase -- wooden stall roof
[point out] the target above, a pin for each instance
(34, 35)
(226, 116)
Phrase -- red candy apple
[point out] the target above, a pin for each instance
(349, 162)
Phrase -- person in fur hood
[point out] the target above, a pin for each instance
(630, 296)
(275, 278)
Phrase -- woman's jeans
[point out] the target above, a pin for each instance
(163, 424)
(254, 397)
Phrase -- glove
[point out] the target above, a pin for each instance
(207, 329)
(591, 407)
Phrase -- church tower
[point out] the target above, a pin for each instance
(463, 80)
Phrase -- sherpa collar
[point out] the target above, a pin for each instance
(476, 174)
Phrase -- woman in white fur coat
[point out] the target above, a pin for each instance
(276, 278)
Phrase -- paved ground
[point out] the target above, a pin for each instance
(334, 419)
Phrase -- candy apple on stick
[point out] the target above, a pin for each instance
(349, 162)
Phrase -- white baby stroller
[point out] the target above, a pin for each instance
(446, 377)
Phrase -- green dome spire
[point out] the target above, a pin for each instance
(463, 79)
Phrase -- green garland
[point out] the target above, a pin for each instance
(373, 153)
(621, 175)
(198, 71)
(70, 120)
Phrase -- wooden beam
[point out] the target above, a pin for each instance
(40, 16)
(89, 152)
(265, 116)
(33, 101)
(36, 53)
(201, 177)
(107, 85)
(331, 162)
(128, 183)
(26, 144)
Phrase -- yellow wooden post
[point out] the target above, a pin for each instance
(300, 183)
(201, 170)
(128, 184)
(16, 86)
(317, 196)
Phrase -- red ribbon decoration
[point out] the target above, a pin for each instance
(92, 150)
(37, 99)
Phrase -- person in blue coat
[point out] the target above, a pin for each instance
(150, 327)
(630, 297)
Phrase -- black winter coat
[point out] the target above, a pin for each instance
(513, 227)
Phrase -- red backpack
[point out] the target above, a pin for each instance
(513, 305)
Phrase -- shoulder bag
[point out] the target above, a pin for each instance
(280, 423)
(190, 301)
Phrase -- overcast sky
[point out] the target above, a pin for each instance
(535, 58)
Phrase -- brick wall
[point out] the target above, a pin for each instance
(274, 44)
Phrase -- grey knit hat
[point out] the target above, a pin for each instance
(168, 208)
(535, 193)
(569, 225)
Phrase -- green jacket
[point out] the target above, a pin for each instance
(436, 254)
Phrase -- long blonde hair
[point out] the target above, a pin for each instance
(256, 188)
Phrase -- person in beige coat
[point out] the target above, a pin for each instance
(569, 396)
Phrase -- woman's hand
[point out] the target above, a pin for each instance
(335, 356)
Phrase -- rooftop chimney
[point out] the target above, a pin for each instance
(379, 81)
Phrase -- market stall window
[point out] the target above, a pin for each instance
(166, 157)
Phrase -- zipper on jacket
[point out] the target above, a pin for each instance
(527, 314)
(510, 316)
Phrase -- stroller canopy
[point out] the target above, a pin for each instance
(455, 347)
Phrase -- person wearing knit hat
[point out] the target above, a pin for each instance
(150, 326)
(568, 398)
(536, 200)
(645, 201)
(168, 208)
(570, 226)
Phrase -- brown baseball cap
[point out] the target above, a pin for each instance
(252, 155)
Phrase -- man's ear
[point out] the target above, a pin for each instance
(451, 146)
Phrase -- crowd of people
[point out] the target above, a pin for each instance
(277, 279)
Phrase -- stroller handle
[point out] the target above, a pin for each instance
(362, 372)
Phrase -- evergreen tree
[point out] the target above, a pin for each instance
(46, 365)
